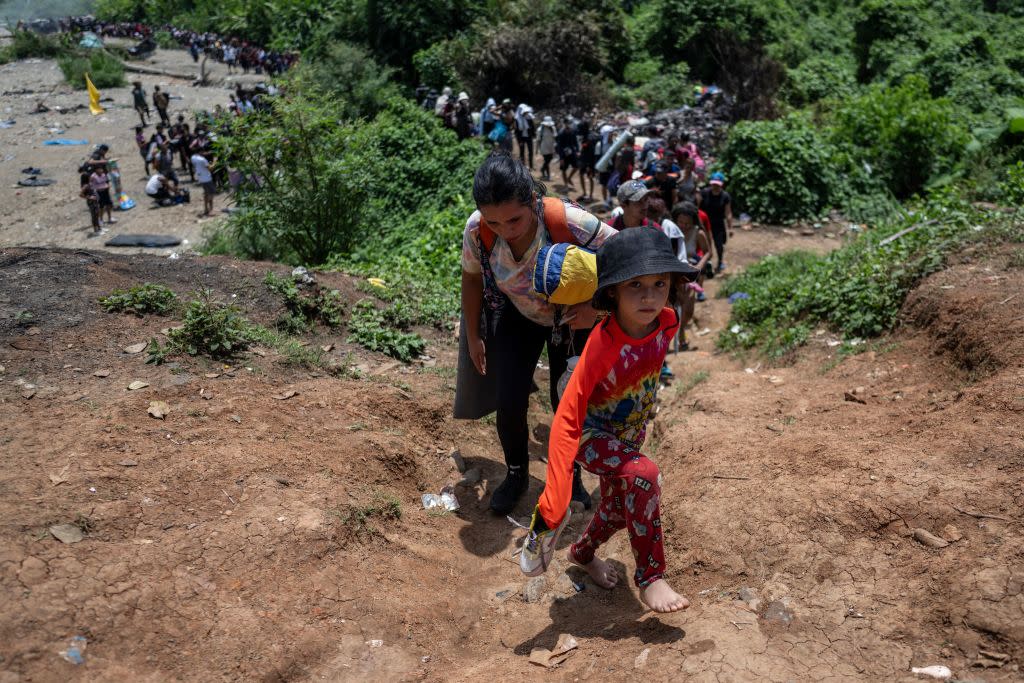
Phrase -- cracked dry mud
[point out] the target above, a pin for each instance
(223, 549)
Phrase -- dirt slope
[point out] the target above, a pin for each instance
(247, 537)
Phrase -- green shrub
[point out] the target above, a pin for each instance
(210, 328)
(780, 170)
(26, 44)
(358, 86)
(820, 78)
(1012, 188)
(368, 327)
(140, 300)
(658, 85)
(165, 40)
(904, 134)
(305, 306)
(105, 70)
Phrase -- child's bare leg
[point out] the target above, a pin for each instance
(603, 573)
(660, 597)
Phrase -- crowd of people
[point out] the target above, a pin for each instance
(235, 53)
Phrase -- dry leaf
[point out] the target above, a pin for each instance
(136, 348)
(137, 384)
(286, 395)
(158, 409)
(327, 348)
(101, 373)
(552, 658)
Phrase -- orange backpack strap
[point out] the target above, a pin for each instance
(554, 219)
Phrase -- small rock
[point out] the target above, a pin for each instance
(929, 539)
(137, 384)
(101, 373)
(237, 419)
(778, 612)
(28, 393)
(751, 598)
(853, 398)
(951, 533)
(375, 643)
(127, 463)
(67, 533)
(286, 395)
(458, 461)
(641, 659)
(136, 348)
(534, 589)
(212, 375)
(938, 671)
(283, 481)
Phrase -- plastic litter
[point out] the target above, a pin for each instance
(445, 500)
(75, 652)
(65, 141)
(936, 671)
(552, 658)
(737, 296)
(301, 275)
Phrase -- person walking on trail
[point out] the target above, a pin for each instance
(633, 196)
(161, 101)
(717, 203)
(203, 176)
(463, 117)
(488, 118)
(505, 324)
(696, 249)
(568, 152)
(602, 420)
(525, 132)
(590, 141)
(139, 100)
(92, 201)
(546, 145)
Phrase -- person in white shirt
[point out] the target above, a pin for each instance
(205, 179)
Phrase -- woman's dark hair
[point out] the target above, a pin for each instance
(656, 209)
(687, 208)
(502, 178)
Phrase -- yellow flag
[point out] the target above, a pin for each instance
(94, 97)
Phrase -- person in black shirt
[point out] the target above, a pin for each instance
(568, 152)
(717, 204)
(664, 183)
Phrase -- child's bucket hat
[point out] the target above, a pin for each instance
(635, 252)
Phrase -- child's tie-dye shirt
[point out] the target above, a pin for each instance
(611, 393)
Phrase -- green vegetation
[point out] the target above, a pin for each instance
(104, 69)
(858, 289)
(306, 306)
(26, 44)
(141, 300)
(357, 519)
(209, 328)
(375, 330)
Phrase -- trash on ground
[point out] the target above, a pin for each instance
(552, 658)
(445, 500)
(705, 331)
(75, 652)
(67, 533)
(936, 671)
(375, 643)
(738, 296)
(65, 141)
(302, 276)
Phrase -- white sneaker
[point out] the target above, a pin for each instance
(539, 547)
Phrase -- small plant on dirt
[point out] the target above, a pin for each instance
(306, 305)
(24, 318)
(141, 300)
(357, 518)
(691, 381)
(1016, 259)
(368, 327)
(210, 328)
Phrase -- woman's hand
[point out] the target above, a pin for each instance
(581, 316)
(477, 353)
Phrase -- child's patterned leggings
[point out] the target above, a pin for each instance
(630, 493)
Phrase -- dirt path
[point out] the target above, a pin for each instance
(247, 537)
(55, 215)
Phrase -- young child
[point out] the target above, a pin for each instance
(602, 419)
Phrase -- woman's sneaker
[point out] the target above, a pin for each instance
(539, 544)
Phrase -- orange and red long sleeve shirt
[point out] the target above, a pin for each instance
(611, 393)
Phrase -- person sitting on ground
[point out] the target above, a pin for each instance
(201, 164)
(602, 419)
(718, 205)
(165, 190)
(139, 100)
(100, 183)
(697, 250)
(568, 152)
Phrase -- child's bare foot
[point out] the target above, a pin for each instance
(660, 597)
(603, 574)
